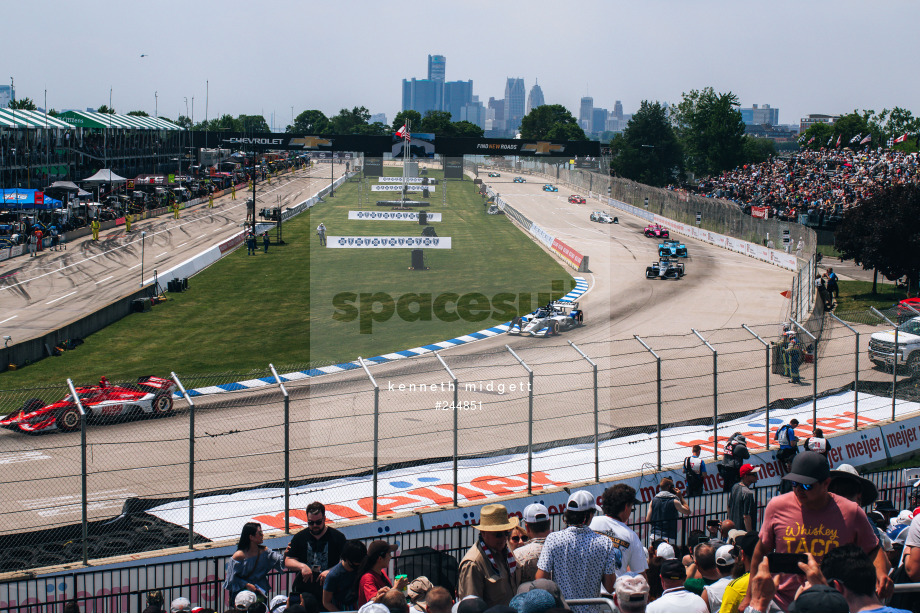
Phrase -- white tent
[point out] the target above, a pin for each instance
(105, 176)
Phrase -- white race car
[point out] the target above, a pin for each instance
(552, 319)
(665, 269)
(603, 217)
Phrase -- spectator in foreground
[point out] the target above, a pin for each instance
(851, 572)
(702, 571)
(438, 600)
(618, 502)
(417, 592)
(725, 563)
(489, 569)
(372, 575)
(806, 519)
(180, 604)
(664, 510)
(248, 568)
(155, 602)
(735, 592)
(742, 502)
(339, 590)
(630, 593)
(517, 538)
(579, 560)
(675, 597)
(394, 600)
(537, 523)
(313, 552)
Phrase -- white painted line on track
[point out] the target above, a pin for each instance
(181, 244)
(202, 236)
(106, 279)
(163, 254)
(60, 297)
(8, 319)
(135, 266)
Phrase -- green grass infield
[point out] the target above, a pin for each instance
(303, 305)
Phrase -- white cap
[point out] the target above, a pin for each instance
(180, 604)
(244, 599)
(905, 517)
(580, 501)
(666, 551)
(535, 512)
(725, 555)
(278, 603)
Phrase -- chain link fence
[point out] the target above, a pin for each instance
(366, 441)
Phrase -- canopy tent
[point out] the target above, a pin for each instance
(18, 118)
(19, 198)
(105, 176)
(66, 187)
(91, 119)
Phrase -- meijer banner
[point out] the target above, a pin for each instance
(388, 242)
(392, 216)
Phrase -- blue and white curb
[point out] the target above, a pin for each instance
(581, 286)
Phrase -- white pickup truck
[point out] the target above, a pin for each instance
(881, 347)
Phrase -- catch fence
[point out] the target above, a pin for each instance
(432, 431)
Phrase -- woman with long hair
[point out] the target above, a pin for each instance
(248, 568)
(372, 575)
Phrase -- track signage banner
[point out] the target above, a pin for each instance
(391, 216)
(389, 242)
(398, 188)
(761, 212)
(409, 180)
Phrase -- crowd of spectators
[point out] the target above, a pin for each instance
(816, 550)
(822, 183)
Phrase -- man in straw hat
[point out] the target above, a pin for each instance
(489, 569)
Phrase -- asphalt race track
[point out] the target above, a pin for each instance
(239, 436)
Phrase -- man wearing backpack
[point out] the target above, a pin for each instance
(694, 472)
(788, 442)
(734, 455)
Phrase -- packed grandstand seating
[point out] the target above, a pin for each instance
(828, 181)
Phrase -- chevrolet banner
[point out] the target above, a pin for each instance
(398, 188)
(388, 242)
(391, 216)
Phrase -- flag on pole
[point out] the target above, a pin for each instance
(403, 132)
(890, 142)
(866, 139)
(811, 140)
(838, 141)
(856, 138)
(830, 140)
(901, 138)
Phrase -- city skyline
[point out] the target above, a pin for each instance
(180, 65)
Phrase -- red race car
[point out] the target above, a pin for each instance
(576, 199)
(151, 395)
(657, 230)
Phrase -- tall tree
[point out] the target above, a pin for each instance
(141, 113)
(883, 233)
(182, 121)
(551, 121)
(253, 123)
(756, 150)
(436, 122)
(105, 109)
(467, 129)
(312, 121)
(348, 122)
(25, 104)
(710, 128)
(648, 150)
(410, 117)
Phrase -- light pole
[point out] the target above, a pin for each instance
(155, 118)
(143, 236)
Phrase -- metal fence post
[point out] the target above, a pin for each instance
(456, 422)
(715, 391)
(894, 365)
(814, 392)
(597, 455)
(855, 373)
(83, 491)
(191, 462)
(529, 421)
(376, 428)
(767, 371)
(658, 378)
(287, 451)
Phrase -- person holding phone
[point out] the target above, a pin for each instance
(313, 552)
(813, 520)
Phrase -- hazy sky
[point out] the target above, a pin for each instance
(811, 56)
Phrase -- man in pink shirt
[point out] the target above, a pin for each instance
(810, 519)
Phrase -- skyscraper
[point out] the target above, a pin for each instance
(496, 114)
(535, 98)
(436, 67)
(6, 95)
(514, 103)
(457, 94)
(618, 109)
(599, 120)
(586, 113)
(422, 95)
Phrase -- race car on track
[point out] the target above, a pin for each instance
(151, 395)
(576, 199)
(603, 217)
(550, 320)
(495, 174)
(665, 269)
(548, 187)
(518, 180)
(657, 230)
(672, 249)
